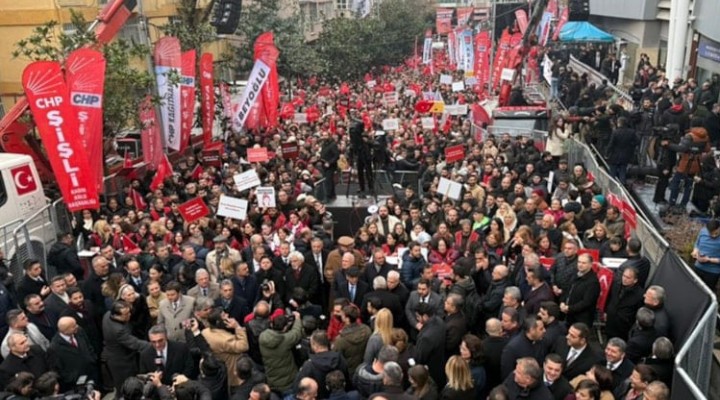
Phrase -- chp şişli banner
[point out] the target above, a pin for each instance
(168, 64)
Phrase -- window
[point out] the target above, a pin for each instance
(131, 31)
(69, 29)
(342, 4)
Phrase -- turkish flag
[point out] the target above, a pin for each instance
(344, 89)
(424, 106)
(287, 111)
(164, 170)
(127, 163)
(129, 247)
(138, 200)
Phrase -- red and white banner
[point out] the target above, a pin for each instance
(266, 51)
(482, 58)
(500, 56)
(187, 92)
(226, 101)
(443, 21)
(258, 77)
(207, 96)
(522, 20)
(452, 49)
(463, 16)
(168, 61)
(85, 75)
(150, 134)
(49, 100)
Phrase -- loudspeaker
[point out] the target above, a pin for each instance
(226, 16)
(579, 10)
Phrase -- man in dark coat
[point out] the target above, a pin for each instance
(92, 286)
(316, 259)
(32, 282)
(45, 321)
(526, 381)
(245, 284)
(22, 358)
(57, 300)
(578, 353)
(492, 301)
(580, 302)
(654, 299)
(430, 345)
(564, 269)
(617, 362)
(635, 260)
(621, 149)
(623, 301)
(329, 155)
(642, 336)
(555, 330)
(121, 349)
(64, 257)
(455, 324)
(552, 376)
(322, 361)
(528, 344)
(352, 288)
(165, 355)
(71, 354)
(377, 267)
(235, 306)
(387, 300)
(711, 123)
(493, 346)
(301, 275)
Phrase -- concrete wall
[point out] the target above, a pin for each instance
(706, 18)
(625, 9)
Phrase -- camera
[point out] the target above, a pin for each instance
(265, 285)
(84, 389)
(668, 132)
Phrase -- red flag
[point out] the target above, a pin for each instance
(138, 200)
(164, 171)
(49, 100)
(85, 74)
(196, 172)
(127, 163)
(266, 51)
(207, 95)
(482, 58)
(287, 111)
(225, 97)
(344, 89)
(150, 134)
(424, 106)
(129, 247)
(500, 56)
(187, 93)
(313, 114)
(479, 115)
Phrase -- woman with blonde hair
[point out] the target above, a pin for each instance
(596, 237)
(460, 384)
(382, 335)
(102, 234)
(506, 213)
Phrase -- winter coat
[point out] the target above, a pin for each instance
(318, 366)
(621, 306)
(562, 272)
(691, 147)
(411, 269)
(582, 299)
(351, 344)
(228, 348)
(621, 149)
(556, 140)
(276, 349)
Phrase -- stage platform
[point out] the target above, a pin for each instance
(349, 212)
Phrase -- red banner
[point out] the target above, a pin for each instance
(225, 97)
(266, 51)
(194, 209)
(259, 154)
(207, 96)
(150, 134)
(463, 16)
(522, 20)
(443, 20)
(482, 58)
(168, 61)
(48, 97)
(500, 56)
(290, 150)
(85, 74)
(164, 170)
(187, 93)
(454, 153)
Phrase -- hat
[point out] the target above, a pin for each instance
(423, 238)
(219, 239)
(600, 199)
(353, 272)
(563, 161)
(346, 241)
(305, 172)
(572, 206)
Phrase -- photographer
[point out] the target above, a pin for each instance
(144, 387)
(226, 346)
(692, 146)
(276, 346)
(47, 387)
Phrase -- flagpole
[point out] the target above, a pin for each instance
(492, 47)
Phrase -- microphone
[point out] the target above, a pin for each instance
(158, 363)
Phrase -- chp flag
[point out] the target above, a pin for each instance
(187, 93)
(49, 99)
(85, 75)
(168, 61)
(207, 96)
(258, 77)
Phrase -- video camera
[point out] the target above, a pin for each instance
(84, 389)
(670, 132)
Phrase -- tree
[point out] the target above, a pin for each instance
(125, 86)
(192, 26)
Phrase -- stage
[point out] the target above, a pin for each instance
(349, 212)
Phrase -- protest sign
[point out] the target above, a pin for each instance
(448, 188)
(265, 196)
(193, 210)
(458, 86)
(259, 154)
(290, 150)
(454, 153)
(247, 180)
(232, 207)
(428, 123)
(445, 79)
(391, 124)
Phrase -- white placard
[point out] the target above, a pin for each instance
(410, 93)
(232, 207)
(448, 188)
(458, 86)
(456, 109)
(508, 74)
(391, 99)
(551, 178)
(428, 123)
(446, 79)
(265, 196)
(371, 84)
(300, 118)
(391, 124)
(470, 81)
(247, 180)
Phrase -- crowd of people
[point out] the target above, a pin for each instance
(494, 295)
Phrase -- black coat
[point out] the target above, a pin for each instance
(430, 349)
(518, 347)
(560, 388)
(179, 361)
(621, 373)
(92, 290)
(54, 304)
(72, 362)
(492, 300)
(621, 148)
(45, 321)
(582, 363)
(309, 280)
(27, 286)
(237, 308)
(342, 290)
(537, 392)
(318, 366)
(35, 363)
(247, 288)
(639, 344)
(88, 324)
(65, 259)
(582, 299)
(621, 306)
(493, 347)
(387, 300)
(455, 329)
(121, 349)
(640, 263)
(370, 272)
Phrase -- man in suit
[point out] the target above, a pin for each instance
(175, 310)
(430, 346)
(32, 282)
(377, 267)
(425, 295)
(528, 344)
(18, 323)
(135, 276)
(221, 250)
(352, 288)
(22, 357)
(36, 313)
(553, 378)
(71, 354)
(329, 155)
(121, 348)
(642, 336)
(635, 260)
(555, 330)
(616, 362)
(579, 355)
(580, 302)
(623, 301)
(244, 283)
(316, 258)
(165, 355)
(204, 287)
(654, 299)
(301, 275)
(58, 300)
(235, 306)
(455, 324)
(493, 345)
(108, 252)
(387, 299)
(621, 149)
(282, 261)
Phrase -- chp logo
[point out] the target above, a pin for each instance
(24, 180)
